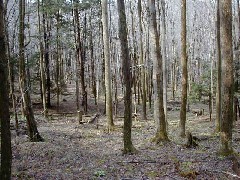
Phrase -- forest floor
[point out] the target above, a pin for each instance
(87, 151)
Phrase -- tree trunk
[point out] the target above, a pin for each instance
(80, 58)
(159, 115)
(184, 70)
(75, 16)
(43, 79)
(82, 52)
(142, 63)
(219, 72)
(93, 75)
(27, 106)
(57, 59)
(227, 72)
(46, 58)
(11, 76)
(127, 127)
(164, 58)
(6, 150)
(108, 89)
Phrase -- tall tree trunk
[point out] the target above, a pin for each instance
(159, 115)
(82, 66)
(108, 85)
(47, 59)
(11, 76)
(227, 72)
(43, 79)
(127, 127)
(6, 150)
(77, 63)
(27, 106)
(80, 58)
(93, 75)
(142, 63)
(184, 70)
(164, 58)
(57, 76)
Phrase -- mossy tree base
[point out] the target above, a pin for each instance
(225, 144)
(130, 150)
(110, 128)
(160, 137)
(225, 152)
(182, 134)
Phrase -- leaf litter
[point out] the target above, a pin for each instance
(82, 151)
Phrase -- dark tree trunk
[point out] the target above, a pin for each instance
(143, 72)
(47, 60)
(27, 106)
(6, 150)
(219, 73)
(127, 127)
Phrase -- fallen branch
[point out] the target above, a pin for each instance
(141, 162)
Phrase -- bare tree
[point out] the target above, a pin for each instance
(142, 62)
(219, 73)
(108, 90)
(227, 72)
(159, 114)
(27, 105)
(6, 150)
(184, 70)
(42, 71)
(127, 127)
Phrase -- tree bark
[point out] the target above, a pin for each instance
(143, 73)
(227, 72)
(43, 78)
(159, 115)
(165, 79)
(219, 71)
(6, 150)
(184, 70)
(27, 106)
(108, 89)
(47, 59)
(127, 127)
(80, 57)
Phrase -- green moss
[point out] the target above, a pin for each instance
(130, 150)
(152, 174)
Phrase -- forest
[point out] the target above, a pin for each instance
(119, 89)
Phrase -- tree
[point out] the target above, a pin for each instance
(80, 56)
(127, 127)
(143, 73)
(159, 114)
(42, 72)
(227, 76)
(6, 150)
(46, 32)
(219, 73)
(108, 90)
(165, 78)
(184, 70)
(27, 106)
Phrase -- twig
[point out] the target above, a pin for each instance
(141, 162)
